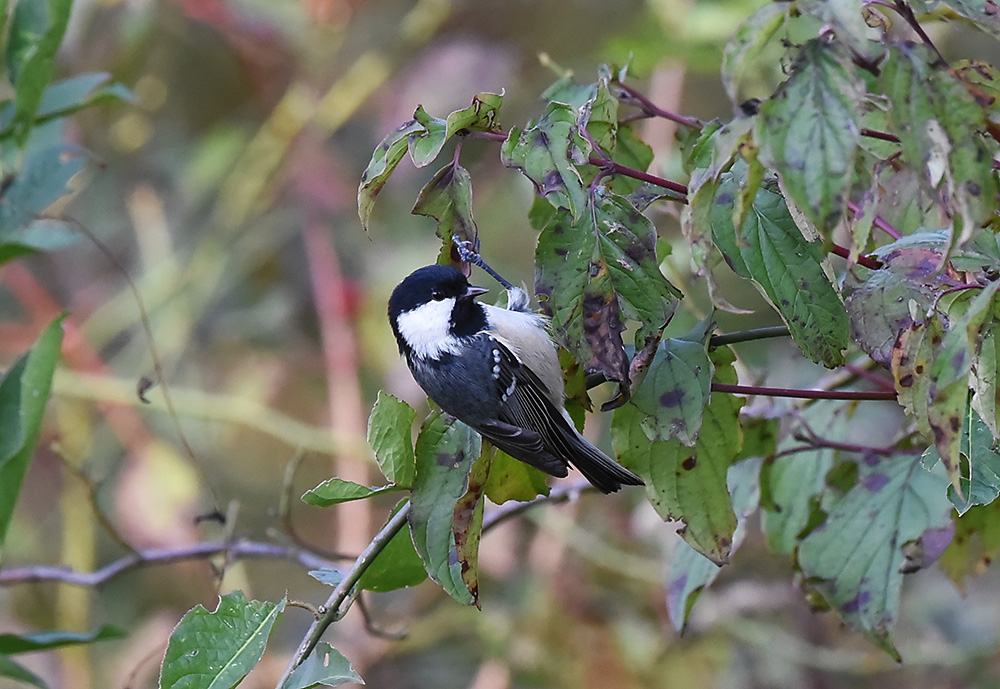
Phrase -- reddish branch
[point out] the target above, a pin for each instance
(805, 394)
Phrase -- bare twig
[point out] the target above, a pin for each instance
(331, 611)
(237, 550)
(805, 394)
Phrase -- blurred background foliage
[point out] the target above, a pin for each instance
(227, 193)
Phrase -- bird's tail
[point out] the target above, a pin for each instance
(604, 473)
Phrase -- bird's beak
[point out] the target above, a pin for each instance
(473, 291)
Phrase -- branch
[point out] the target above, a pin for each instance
(561, 493)
(866, 261)
(805, 394)
(619, 169)
(724, 339)
(160, 556)
(653, 110)
(330, 611)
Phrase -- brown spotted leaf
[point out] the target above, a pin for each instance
(912, 355)
(689, 484)
(448, 199)
(547, 153)
(596, 271)
(676, 388)
(467, 524)
(446, 450)
(949, 375)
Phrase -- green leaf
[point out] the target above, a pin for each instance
(11, 644)
(40, 183)
(511, 479)
(35, 73)
(599, 116)
(975, 545)
(397, 566)
(809, 130)
(448, 199)
(938, 121)
(690, 571)
(547, 154)
(983, 13)
(24, 393)
(329, 577)
(684, 483)
(791, 484)
(390, 433)
(324, 667)
(593, 271)
(445, 452)
(633, 152)
(676, 389)
(751, 60)
(384, 160)
(788, 270)
(216, 650)
(854, 558)
(334, 491)
(425, 145)
(480, 116)
(847, 19)
(880, 305)
(16, 671)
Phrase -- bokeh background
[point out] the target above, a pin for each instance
(225, 196)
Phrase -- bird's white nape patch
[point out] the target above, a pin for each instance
(427, 329)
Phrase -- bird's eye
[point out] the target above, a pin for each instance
(437, 295)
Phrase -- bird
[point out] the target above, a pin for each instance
(495, 369)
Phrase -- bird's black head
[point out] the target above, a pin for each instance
(437, 284)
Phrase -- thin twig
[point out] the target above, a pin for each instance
(561, 493)
(241, 549)
(878, 222)
(330, 611)
(866, 261)
(724, 339)
(653, 110)
(805, 394)
(154, 355)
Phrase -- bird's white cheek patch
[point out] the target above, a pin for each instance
(425, 328)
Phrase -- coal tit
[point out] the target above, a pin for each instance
(496, 370)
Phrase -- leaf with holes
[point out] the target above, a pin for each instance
(854, 558)
(480, 116)
(788, 270)
(445, 452)
(684, 483)
(809, 130)
(208, 650)
(547, 153)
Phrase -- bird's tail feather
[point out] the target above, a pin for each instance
(604, 473)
